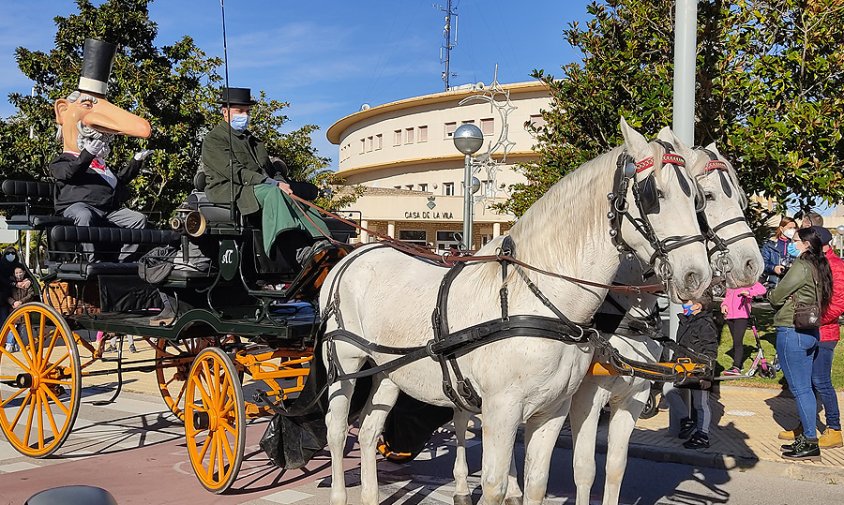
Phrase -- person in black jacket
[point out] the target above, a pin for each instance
(87, 190)
(698, 334)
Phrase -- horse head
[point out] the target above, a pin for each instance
(733, 251)
(654, 213)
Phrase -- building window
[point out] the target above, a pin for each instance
(423, 134)
(362, 146)
(418, 237)
(379, 142)
(423, 187)
(449, 129)
(397, 138)
(447, 241)
(448, 188)
(408, 136)
(468, 121)
(488, 126)
(537, 121)
(397, 187)
(409, 187)
(368, 144)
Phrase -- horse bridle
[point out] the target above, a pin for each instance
(646, 199)
(721, 245)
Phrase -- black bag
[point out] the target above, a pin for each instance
(807, 316)
(156, 265)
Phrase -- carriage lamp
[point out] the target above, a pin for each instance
(468, 138)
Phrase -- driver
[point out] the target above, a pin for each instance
(88, 191)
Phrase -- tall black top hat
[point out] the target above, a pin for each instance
(98, 57)
(236, 96)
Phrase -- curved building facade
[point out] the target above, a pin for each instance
(403, 154)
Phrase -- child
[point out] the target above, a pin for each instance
(736, 310)
(697, 333)
(18, 297)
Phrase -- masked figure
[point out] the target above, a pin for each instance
(88, 191)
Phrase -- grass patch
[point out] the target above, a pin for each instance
(767, 335)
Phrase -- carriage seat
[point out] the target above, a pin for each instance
(36, 198)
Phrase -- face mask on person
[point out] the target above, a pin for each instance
(10, 257)
(792, 250)
(687, 309)
(239, 122)
(789, 233)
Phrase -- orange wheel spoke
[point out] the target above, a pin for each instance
(228, 407)
(50, 417)
(29, 421)
(57, 363)
(20, 410)
(204, 449)
(4, 352)
(181, 394)
(222, 469)
(206, 373)
(29, 334)
(52, 345)
(41, 326)
(40, 421)
(206, 398)
(57, 381)
(226, 426)
(15, 395)
(213, 459)
(227, 447)
(56, 400)
(14, 331)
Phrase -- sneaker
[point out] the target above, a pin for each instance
(699, 440)
(687, 427)
(132, 348)
(830, 439)
(791, 434)
(109, 348)
(10, 347)
(732, 372)
(804, 449)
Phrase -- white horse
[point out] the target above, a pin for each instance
(627, 395)
(386, 298)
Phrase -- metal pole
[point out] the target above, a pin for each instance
(683, 124)
(467, 203)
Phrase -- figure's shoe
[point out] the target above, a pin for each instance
(804, 449)
(687, 427)
(791, 434)
(830, 439)
(109, 348)
(10, 347)
(699, 440)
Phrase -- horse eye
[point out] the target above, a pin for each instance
(660, 194)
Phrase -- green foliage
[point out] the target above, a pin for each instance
(769, 92)
(174, 87)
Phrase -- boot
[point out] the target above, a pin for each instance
(791, 434)
(830, 439)
(790, 447)
(804, 449)
(687, 427)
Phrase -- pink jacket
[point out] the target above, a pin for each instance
(736, 307)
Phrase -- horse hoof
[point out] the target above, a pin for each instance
(513, 500)
(462, 499)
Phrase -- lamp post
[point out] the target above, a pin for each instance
(468, 138)
(840, 230)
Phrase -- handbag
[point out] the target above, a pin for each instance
(807, 316)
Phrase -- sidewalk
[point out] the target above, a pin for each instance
(748, 421)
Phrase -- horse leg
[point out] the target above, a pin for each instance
(462, 495)
(384, 396)
(622, 423)
(514, 492)
(584, 416)
(501, 419)
(541, 433)
(337, 422)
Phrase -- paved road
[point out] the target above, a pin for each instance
(134, 449)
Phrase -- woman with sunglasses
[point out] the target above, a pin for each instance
(809, 280)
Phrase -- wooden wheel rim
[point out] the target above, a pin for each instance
(215, 420)
(49, 402)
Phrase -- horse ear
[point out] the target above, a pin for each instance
(713, 148)
(685, 151)
(636, 143)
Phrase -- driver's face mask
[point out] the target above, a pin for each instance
(10, 257)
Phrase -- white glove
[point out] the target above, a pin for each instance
(142, 155)
(95, 147)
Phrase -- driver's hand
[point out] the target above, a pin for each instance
(284, 187)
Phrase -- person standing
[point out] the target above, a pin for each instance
(809, 281)
(775, 251)
(736, 309)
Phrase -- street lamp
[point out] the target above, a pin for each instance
(468, 138)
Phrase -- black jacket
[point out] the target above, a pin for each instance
(698, 333)
(76, 181)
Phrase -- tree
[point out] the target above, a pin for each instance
(174, 87)
(769, 92)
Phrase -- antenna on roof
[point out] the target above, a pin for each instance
(445, 50)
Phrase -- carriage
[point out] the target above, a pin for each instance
(238, 312)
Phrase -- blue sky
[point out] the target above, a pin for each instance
(328, 57)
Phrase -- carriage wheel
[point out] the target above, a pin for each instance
(215, 420)
(41, 383)
(172, 366)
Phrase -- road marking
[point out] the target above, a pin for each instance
(17, 467)
(287, 496)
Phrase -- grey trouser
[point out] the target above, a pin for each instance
(86, 215)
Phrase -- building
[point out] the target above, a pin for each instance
(403, 154)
